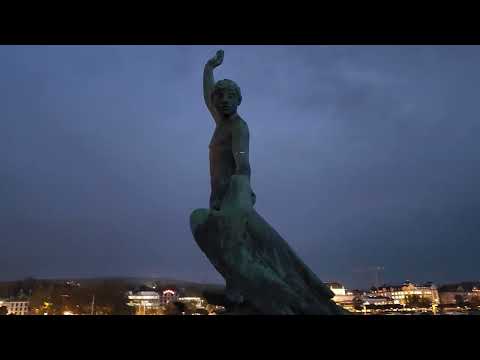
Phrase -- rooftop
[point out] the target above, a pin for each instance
(460, 287)
(399, 286)
(334, 285)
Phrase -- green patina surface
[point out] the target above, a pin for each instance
(263, 274)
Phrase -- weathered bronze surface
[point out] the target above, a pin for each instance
(263, 274)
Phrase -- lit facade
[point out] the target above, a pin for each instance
(337, 288)
(199, 302)
(342, 297)
(149, 302)
(167, 296)
(399, 294)
(378, 300)
(15, 307)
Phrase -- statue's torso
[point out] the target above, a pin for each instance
(222, 137)
(222, 163)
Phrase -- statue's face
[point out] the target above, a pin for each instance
(226, 101)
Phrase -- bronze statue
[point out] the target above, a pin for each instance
(263, 275)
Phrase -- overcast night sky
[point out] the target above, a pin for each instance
(361, 156)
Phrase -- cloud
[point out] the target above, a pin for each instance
(361, 155)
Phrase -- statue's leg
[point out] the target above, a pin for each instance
(206, 227)
(210, 234)
(219, 188)
(248, 274)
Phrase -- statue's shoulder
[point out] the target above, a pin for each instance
(240, 124)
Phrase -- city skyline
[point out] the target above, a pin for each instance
(104, 155)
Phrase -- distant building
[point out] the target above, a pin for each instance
(16, 307)
(458, 294)
(217, 309)
(144, 301)
(167, 296)
(377, 300)
(150, 302)
(337, 288)
(198, 302)
(400, 293)
(342, 297)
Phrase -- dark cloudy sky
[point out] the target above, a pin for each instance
(361, 156)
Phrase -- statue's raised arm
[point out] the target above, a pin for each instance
(209, 82)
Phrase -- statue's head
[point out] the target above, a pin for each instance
(226, 97)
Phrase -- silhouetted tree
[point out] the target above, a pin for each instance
(357, 303)
(175, 308)
(459, 300)
(416, 301)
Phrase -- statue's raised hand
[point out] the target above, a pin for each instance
(217, 60)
